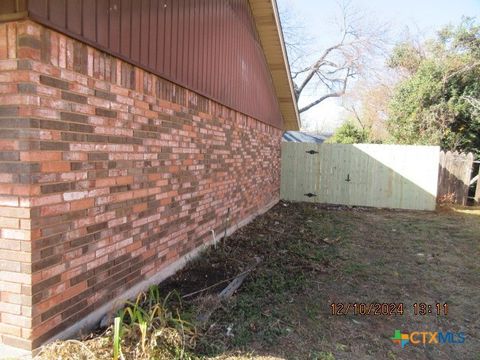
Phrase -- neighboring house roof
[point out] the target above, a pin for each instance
(267, 20)
(298, 136)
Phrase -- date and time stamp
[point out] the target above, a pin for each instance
(388, 309)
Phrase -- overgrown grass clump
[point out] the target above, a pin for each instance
(151, 327)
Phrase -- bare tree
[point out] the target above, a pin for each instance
(329, 72)
(367, 102)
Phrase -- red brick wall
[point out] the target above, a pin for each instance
(16, 189)
(107, 175)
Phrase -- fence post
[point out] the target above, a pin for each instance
(477, 192)
(467, 176)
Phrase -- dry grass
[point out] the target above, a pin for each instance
(149, 328)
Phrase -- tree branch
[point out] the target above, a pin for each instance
(329, 95)
(313, 69)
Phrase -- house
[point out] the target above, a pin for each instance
(128, 131)
(303, 137)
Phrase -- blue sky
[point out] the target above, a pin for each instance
(419, 16)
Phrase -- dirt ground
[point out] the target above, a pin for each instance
(306, 257)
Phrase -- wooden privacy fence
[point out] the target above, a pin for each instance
(389, 176)
(455, 178)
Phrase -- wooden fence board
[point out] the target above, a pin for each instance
(392, 176)
(455, 173)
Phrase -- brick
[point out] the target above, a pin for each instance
(20, 99)
(28, 53)
(105, 95)
(9, 156)
(55, 166)
(11, 212)
(17, 168)
(11, 40)
(15, 123)
(50, 210)
(74, 97)
(6, 183)
(74, 156)
(27, 88)
(74, 117)
(6, 65)
(45, 284)
(97, 156)
(26, 311)
(8, 200)
(47, 262)
(8, 110)
(124, 180)
(58, 187)
(53, 125)
(10, 223)
(6, 145)
(139, 207)
(53, 82)
(25, 344)
(54, 145)
(81, 128)
(97, 227)
(15, 234)
(13, 330)
(29, 41)
(106, 182)
(13, 245)
(40, 156)
(105, 113)
(82, 204)
(6, 265)
(17, 320)
(54, 270)
(14, 309)
(20, 189)
(46, 200)
(25, 224)
(24, 64)
(26, 290)
(17, 277)
(74, 195)
(10, 288)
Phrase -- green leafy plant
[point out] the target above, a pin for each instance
(151, 324)
(348, 133)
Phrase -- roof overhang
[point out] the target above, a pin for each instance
(267, 20)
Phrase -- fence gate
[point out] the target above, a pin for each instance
(389, 176)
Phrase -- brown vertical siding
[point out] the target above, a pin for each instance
(208, 46)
